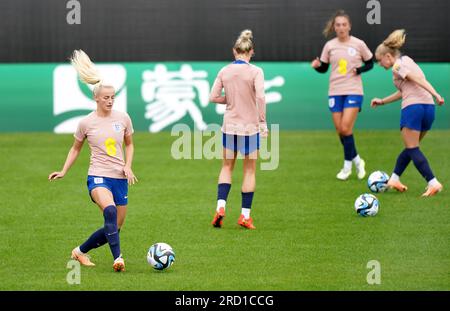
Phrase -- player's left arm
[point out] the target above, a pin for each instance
(368, 65)
(129, 153)
(421, 81)
(367, 58)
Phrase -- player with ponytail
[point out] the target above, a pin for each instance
(109, 173)
(349, 58)
(417, 109)
(243, 122)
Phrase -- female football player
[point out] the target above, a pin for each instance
(417, 114)
(244, 120)
(349, 57)
(109, 174)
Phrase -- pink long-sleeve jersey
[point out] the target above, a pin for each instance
(244, 98)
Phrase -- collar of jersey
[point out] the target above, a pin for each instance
(240, 61)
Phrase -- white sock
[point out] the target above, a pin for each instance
(433, 182)
(79, 251)
(221, 203)
(347, 165)
(246, 213)
(395, 177)
(357, 160)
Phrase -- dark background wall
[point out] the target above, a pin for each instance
(163, 30)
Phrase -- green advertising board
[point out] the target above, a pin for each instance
(49, 97)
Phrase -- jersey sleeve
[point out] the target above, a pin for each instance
(80, 133)
(325, 56)
(260, 96)
(365, 52)
(401, 69)
(128, 125)
(216, 90)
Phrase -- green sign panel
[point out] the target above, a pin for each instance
(49, 97)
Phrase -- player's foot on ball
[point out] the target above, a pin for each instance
(397, 185)
(246, 222)
(218, 218)
(432, 190)
(361, 169)
(119, 264)
(82, 258)
(343, 174)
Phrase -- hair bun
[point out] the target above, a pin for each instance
(246, 34)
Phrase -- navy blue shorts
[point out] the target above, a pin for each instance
(117, 186)
(417, 117)
(244, 144)
(339, 102)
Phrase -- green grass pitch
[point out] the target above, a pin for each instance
(308, 235)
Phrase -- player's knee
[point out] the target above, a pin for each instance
(228, 165)
(337, 126)
(110, 212)
(120, 223)
(345, 130)
(250, 166)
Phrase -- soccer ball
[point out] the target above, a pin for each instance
(160, 256)
(366, 205)
(377, 181)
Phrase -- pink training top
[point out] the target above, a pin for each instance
(105, 137)
(245, 100)
(344, 57)
(412, 93)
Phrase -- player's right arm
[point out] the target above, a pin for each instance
(321, 64)
(216, 91)
(387, 100)
(261, 102)
(71, 157)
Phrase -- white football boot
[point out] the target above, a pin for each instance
(361, 169)
(343, 174)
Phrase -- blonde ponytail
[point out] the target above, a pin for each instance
(392, 43)
(329, 27)
(86, 69)
(396, 39)
(244, 42)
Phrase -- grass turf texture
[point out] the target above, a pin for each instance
(308, 235)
